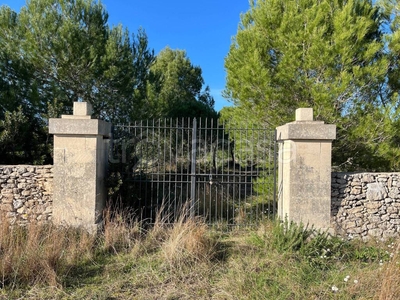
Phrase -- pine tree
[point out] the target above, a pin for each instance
(55, 52)
(178, 88)
(327, 54)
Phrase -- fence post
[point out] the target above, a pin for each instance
(304, 170)
(80, 163)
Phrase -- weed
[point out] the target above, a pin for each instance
(188, 260)
(390, 288)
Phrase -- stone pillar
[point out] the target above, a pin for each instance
(80, 164)
(304, 174)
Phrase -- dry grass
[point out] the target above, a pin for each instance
(187, 260)
(36, 254)
(390, 287)
(121, 230)
(187, 243)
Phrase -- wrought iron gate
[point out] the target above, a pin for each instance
(224, 173)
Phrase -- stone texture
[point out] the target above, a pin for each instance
(376, 208)
(19, 196)
(304, 114)
(304, 172)
(375, 191)
(80, 160)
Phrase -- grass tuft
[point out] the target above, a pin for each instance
(390, 288)
(187, 243)
(189, 260)
(121, 230)
(37, 254)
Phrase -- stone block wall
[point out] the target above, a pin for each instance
(365, 205)
(26, 193)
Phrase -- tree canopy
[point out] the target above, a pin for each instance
(178, 92)
(336, 56)
(55, 52)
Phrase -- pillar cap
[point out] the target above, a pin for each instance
(80, 123)
(79, 127)
(306, 131)
(304, 128)
(304, 114)
(81, 110)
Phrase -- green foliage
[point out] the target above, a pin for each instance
(264, 184)
(289, 237)
(78, 57)
(22, 139)
(371, 137)
(318, 247)
(333, 56)
(178, 90)
(368, 254)
(55, 52)
(13, 129)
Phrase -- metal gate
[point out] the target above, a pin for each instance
(200, 167)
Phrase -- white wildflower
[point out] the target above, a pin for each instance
(335, 289)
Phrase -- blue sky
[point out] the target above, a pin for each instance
(203, 28)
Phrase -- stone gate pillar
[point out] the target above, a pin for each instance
(304, 170)
(80, 163)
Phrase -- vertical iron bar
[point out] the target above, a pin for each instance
(149, 194)
(237, 177)
(163, 183)
(253, 210)
(216, 171)
(268, 163)
(226, 178)
(193, 169)
(198, 168)
(176, 164)
(254, 185)
(205, 159)
(181, 159)
(275, 162)
(170, 194)
(210, 210)
(188, 131)
(223, 193)
(184, 166)
(155, 205)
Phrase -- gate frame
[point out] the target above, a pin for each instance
(269, 137)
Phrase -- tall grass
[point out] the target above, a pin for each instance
(390, 287)
(121, 230)
(188, 260)
(40, 254)
(44, 254)
(187, 243)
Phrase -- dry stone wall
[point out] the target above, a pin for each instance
(366, 205)
(363, 205)
(26, 193)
